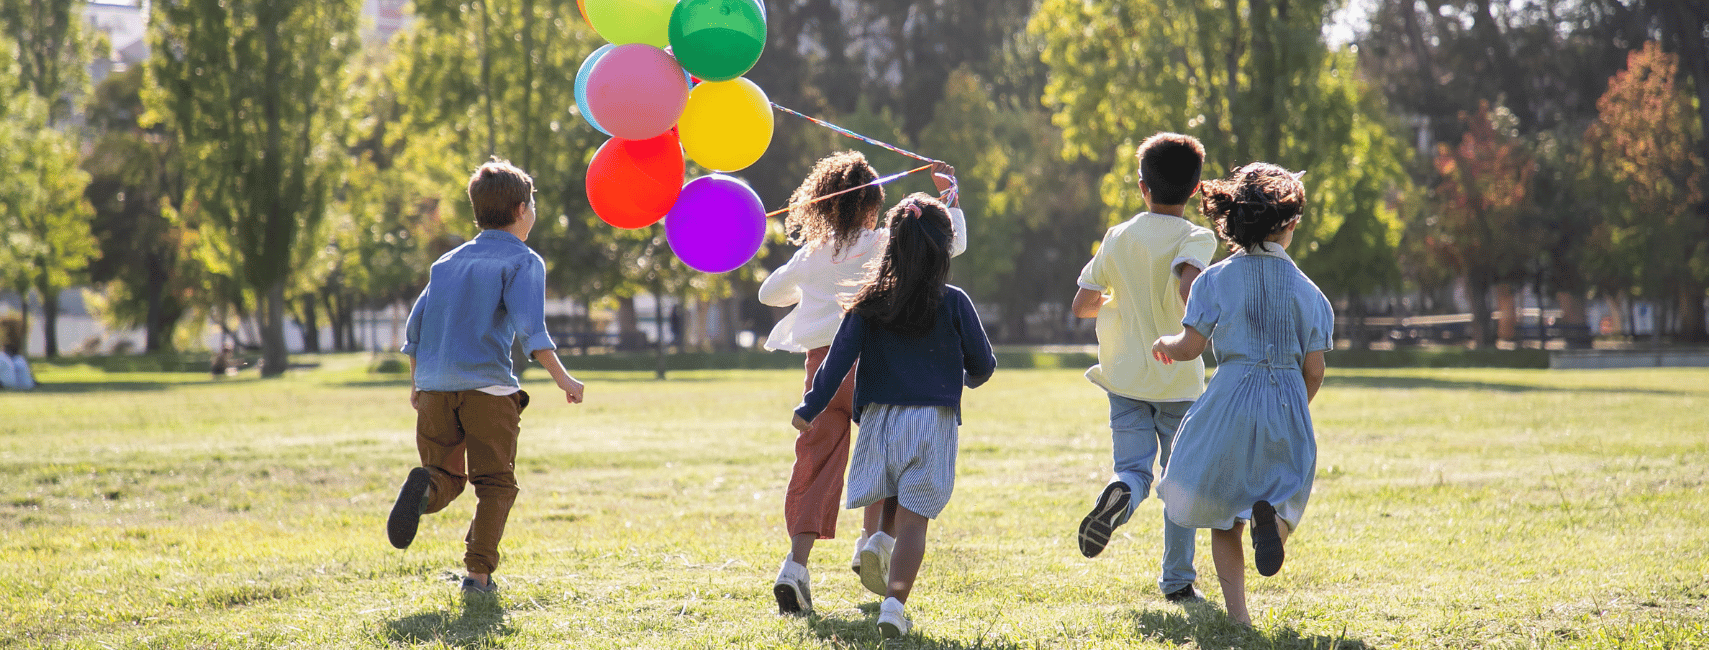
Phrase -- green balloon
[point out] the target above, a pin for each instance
(717, 40)
(631, 21)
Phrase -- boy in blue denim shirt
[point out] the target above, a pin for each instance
(479, 298)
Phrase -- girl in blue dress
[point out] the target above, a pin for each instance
(1246, 450)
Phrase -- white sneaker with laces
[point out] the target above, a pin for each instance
(892, 622)
(860, 543)
(875, 562)
(792, 588)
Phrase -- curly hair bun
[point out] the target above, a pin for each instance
(1255, 201)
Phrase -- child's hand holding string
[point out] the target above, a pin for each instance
(943, 175)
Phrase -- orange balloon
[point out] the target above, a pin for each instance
(583, 7)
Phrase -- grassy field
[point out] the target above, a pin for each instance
(1453, 509)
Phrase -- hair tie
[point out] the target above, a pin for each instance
(912, 207)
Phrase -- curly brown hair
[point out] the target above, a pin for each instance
(1255, 201)
(838, 220)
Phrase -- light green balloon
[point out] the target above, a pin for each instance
(632, 21)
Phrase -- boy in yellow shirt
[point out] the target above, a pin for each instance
(1136, 286)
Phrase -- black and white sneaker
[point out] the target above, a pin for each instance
(1095, 529)
(794, 595)
(406, 512)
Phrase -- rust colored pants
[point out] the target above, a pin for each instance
(821, 456)
(470, 437)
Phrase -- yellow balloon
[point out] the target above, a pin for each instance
(727, 125)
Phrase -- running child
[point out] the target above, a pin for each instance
(919, 341)
(838, 237)
(479, 298)
(1136, 286)
(1246, 451)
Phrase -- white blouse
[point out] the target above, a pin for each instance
(817, 280)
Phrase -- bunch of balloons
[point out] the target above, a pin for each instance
(669, 86)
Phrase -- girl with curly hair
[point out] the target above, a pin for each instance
(1246, 451)
(838, 237)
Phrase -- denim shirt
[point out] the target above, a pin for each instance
(479, 298)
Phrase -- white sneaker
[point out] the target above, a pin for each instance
(875, 562)
(792, 588)
(854, 562)
(892, 623)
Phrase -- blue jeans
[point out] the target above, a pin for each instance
(1140, 433)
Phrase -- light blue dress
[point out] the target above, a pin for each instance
(1249, 437)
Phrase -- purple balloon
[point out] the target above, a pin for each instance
(717, 224)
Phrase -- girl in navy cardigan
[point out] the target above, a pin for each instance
(918, 341)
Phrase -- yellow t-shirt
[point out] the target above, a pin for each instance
(1135, 265)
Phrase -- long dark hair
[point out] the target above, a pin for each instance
(839, 220)
(1254, 202)
(903, 287)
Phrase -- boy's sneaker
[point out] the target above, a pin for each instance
(1095, 529)
(792, 591)
(875, 562)
(854, 562)
(1267, 551)
(892, 622)
(406, 512)
(472, 587)
(1184, 594)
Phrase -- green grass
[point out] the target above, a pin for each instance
(1454, 508)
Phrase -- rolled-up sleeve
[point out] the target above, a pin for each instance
(525, 299)
(412, 327)
(783, 287)
(958, 232)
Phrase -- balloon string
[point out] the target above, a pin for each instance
(880, 181)
(948, 196)
(852, 134)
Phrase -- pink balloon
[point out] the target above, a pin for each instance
(636, 91)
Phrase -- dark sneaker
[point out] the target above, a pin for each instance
(1095, 529)
(1267, 551)
(472, 587)
(406, 513)
(1184, 594)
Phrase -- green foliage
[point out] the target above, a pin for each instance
(53, 51)
(254, 92)
(44, 218)
(1643, 148)
(1251, 79)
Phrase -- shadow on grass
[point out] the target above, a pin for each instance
(1206, 626)
(1451, 384)
(111, 387)
(479, 624)
(863, 633)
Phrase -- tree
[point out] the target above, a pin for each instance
(1484, 201)
(254, 89)
(52, 51)
(134, 173)
(1646, 139)
(1253, 80)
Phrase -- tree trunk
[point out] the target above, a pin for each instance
(1691, 326)
(50, 321)
(274, 357)
(311, 326)
(1357, 336)
(1574, 321)
(729, 321)
(1507, 302)
(1477, 293)
(629, 335)
(157, 336)
(659, 338)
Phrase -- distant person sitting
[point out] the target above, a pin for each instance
(222, 363)
(16, 372)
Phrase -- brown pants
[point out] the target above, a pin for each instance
(470, 437)
(821, 456)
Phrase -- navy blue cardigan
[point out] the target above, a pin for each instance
(927, 370)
